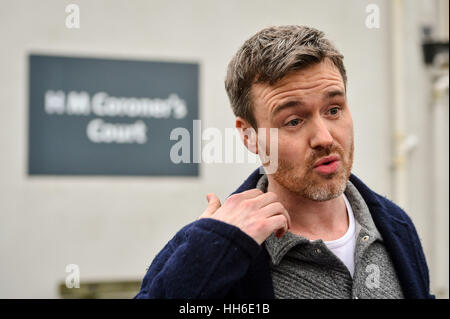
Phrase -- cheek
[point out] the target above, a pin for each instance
(343, 134)
(349, 135)
(291, 149)
(349, 123)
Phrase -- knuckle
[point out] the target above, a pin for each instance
(257, 191)
(233, 198)
(261, 225)
(247, 204)
(253, 191)
(273, 195)
(280, 220)
(279, 207)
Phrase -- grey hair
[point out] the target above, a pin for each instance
(270, 55)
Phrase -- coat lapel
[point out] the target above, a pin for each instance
(400, 239)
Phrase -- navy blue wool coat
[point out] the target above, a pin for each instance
(211, 259)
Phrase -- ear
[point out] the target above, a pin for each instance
(248, 134)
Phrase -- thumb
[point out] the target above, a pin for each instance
(213, 205)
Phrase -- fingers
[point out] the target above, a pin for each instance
(213, 205)
(278, 224)
(265, 199)
(253, 198)
(249, 194)
(256, 213)
(276, 208)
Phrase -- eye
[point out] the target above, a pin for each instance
(334, 111)
(293, 122)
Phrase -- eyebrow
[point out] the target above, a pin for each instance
(334, 93)
(295, 103)
(286, 105)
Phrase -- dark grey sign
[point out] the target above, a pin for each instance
(90, 116)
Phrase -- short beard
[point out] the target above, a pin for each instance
(310, 185)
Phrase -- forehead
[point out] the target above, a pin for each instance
(311, 82)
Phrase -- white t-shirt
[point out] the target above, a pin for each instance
(344, 247)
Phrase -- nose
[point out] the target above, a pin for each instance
(320, 135)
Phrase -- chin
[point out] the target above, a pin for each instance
(325, 192)
(316, 188)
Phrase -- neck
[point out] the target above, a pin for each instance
(326, 220)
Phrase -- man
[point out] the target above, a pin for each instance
(310, 229)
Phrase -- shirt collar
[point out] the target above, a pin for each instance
(279, 247)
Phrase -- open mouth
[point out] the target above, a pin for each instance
(327, 165)
(326, 160)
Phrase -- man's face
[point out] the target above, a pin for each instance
(309, 109)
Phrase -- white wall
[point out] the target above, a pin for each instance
(112, 227)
